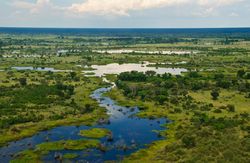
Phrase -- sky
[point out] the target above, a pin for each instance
(125, 13)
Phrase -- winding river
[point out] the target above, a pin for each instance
(128, 131)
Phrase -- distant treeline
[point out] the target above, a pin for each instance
(138, 32)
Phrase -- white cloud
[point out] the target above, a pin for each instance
(217, 3)
(32, 7)
(211, 7)
(120, 7)
(40, 6)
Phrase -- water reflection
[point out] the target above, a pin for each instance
(115, 68)
(38, 69)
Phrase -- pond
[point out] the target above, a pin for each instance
(38, 69)
(115, 68)
(127, 51)
(127, 130)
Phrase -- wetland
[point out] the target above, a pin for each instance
(152, 96)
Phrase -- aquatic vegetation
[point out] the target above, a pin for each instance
(68, 144)
(95, 133)
(70, 155)
(28, 156)
(42, 149)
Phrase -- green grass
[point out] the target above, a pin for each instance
(35, 155)
(70, 156)
(94, 133)
(68, 145)
(227, 97)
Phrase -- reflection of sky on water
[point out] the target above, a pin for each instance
(116, 68)
(38, 69)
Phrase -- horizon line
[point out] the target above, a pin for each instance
(127, 27)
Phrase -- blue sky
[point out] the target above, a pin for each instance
(125, 13)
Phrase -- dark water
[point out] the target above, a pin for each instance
(38, 69)
(192, 32)
(128, 130)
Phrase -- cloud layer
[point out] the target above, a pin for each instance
(120, 7)
(125, 13)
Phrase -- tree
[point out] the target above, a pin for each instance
(150, 73)
(88, 108)
(72, 75)
(215, 94)
(194, 74)
(231, 108)
(23, 81)
(161, 99)
(219, 76)
(223, 84)
(247, 76)
(188, 141)
(241, 73)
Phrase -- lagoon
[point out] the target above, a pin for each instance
(115, 68)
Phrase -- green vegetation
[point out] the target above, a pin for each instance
(45, 102)
(42, 149)
(209, 105)
(96, 133)
(70, 156)
(204, 128)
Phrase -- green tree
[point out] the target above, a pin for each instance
(231, 108)
(188, 141)
(215, 94)
(23, 81)
(241, 73)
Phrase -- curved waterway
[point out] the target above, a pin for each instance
(128, 131)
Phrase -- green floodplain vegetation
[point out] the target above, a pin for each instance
(208, 106)
(44, 148)
(95, 133)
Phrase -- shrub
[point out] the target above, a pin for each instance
(231, 108)
(23, 81)
(215, 94)
(217, 111)
(188, 141)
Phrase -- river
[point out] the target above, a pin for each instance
(127, 129)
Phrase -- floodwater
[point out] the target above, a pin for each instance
(38, 69)
(115, 68)
(128, 131)
(127, 51)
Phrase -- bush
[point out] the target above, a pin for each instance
(23, 81)
(241, 73)
(188, 141)
(231, 108)
(217, 111)
(215, 94)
